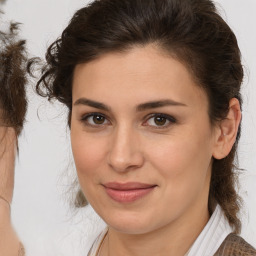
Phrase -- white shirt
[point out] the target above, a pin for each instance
(212, 236)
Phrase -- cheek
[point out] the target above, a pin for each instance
(179, 154)
(89, 154)
(183, 161)
(183, 172)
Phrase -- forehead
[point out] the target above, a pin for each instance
(140, 72)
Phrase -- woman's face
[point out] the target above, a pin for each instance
(141, 140)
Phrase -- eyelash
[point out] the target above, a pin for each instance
(171, 120)
(85, 118)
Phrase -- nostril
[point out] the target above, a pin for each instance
(124, 164)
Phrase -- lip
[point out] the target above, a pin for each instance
(127, 192)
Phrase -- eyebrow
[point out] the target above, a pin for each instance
(140, 107)
(159, 104)
(91, 103)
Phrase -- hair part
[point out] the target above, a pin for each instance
(191, 31)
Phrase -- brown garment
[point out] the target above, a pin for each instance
(234, 245)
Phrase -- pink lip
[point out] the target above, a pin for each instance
(127, 192)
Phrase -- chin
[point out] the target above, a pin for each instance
(131, 230)
(130, 223)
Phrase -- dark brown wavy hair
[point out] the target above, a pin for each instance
(13, 103)
(191, 31)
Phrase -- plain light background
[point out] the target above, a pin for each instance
(44, 171)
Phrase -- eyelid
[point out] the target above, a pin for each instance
(171, 120)
(85, 117)
(168, 117)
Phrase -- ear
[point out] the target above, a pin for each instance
(226, 131)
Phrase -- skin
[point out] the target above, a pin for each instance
(129, 144)
(9, 241)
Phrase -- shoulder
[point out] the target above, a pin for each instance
(235, 245)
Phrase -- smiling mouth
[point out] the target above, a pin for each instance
(127, 192)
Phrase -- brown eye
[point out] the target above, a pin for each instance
(97, 119)
(160, 120)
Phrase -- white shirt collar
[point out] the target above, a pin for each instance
(212, 236)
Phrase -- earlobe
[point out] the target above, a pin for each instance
(227, 130)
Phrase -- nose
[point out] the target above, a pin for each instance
(125, 150)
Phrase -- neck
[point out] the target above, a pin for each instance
(173, 239)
